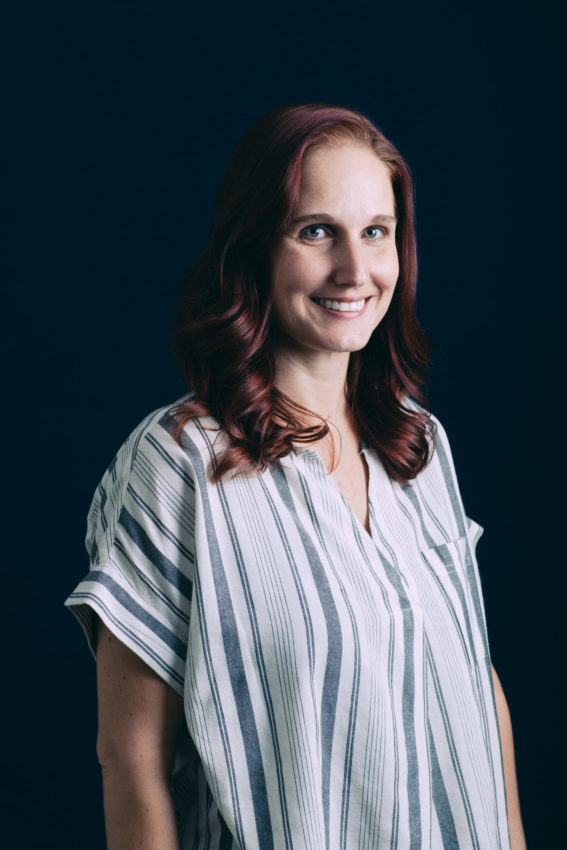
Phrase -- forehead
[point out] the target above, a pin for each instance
(336, 172)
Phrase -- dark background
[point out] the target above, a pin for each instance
(118, 121)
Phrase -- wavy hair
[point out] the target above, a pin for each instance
(223, 325)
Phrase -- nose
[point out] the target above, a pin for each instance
(350, 268)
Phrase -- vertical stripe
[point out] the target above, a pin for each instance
(337, 684)
(235, 667)
(334, 640)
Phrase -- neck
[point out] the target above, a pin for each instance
(319, 386)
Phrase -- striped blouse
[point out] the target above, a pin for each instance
(337, 684)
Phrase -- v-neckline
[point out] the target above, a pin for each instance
(364, 454)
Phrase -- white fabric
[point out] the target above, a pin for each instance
(337, 685)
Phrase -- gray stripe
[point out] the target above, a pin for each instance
(262, 668)
(477, 601)
(168, 570)
(441, 800)
(453, 749)
(333, 628)
(141, 614)
(318, 676)
(235, 666)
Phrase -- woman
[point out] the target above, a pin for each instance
(284, 597)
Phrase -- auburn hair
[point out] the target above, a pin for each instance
(223, 325)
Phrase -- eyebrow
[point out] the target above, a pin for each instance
(324, 217)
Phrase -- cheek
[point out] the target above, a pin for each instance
(295, 275)
(390, 269)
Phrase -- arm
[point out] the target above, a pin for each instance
(517, 839)
(139, 719)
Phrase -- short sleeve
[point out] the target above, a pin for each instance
(466, 529)
(474, 532)
(140, 539)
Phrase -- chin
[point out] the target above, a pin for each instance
(356, 344)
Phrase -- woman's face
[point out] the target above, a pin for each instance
(335, 269)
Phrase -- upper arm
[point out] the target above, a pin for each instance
(139, 714)
(499, 695)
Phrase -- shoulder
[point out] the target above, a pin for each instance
(436, 431)
(155, 430)
(157, 436)
(438, 482)
(160, 466)
(145, 458)
(153, 480)
(441, 464)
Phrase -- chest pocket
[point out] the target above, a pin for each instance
(446, 596)
(448, 559)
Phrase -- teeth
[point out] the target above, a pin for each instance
(341, 306)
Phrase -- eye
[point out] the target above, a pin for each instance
(375, 233)
(314, 232)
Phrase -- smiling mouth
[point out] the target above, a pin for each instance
(341, 306)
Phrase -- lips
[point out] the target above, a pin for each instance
(341, 306)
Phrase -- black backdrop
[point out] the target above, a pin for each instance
(118, 121)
